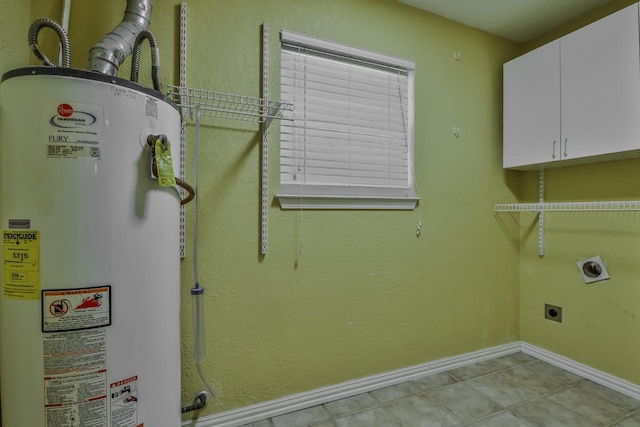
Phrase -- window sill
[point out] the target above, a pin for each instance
(288, 201)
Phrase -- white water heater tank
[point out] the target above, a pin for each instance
(89, 310)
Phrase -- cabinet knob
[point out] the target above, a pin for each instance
(553, 152)
(565, 147)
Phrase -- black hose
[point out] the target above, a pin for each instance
(35, 28)
(199, 402)
(155, 57)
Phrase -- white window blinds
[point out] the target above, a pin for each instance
(351, 136)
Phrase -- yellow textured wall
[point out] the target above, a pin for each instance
(13, 35)
(601, 325)
(601, 321)
(366, 296)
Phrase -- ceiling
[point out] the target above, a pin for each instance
(516, 20)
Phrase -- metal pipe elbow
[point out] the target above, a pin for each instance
(109, 53)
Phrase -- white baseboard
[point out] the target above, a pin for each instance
(614, 383)
(296, 402)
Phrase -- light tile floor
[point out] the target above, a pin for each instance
(510, 391)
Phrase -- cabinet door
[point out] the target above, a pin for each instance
(531, 109)
(600, 75)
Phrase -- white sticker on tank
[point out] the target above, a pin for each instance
(76, 401)
(74, 124)
(75, 379)
(124, 402)
(75, 352)
(73, 151)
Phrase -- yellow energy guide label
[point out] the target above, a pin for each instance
(21, 264)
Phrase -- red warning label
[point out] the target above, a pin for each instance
(76, 309)
(124, 402)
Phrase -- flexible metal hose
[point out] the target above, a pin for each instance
(35, 28)
(155, 57)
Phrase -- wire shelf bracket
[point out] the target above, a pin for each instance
(541, 207)
(229, 106)
(264, 128)
(223, 105)
(183, 124)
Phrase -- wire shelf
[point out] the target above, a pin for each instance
(626, 205)
(543, 207)
(228, 106)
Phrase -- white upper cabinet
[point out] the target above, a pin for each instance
(576, 100)
(532, 107)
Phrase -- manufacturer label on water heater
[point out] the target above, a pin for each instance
(74, 130)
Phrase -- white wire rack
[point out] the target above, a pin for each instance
(625, 205)
(221, 105)
(542, 207)
(228, 106)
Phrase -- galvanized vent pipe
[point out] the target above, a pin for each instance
(107, 56)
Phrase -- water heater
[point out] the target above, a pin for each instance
(89, 311)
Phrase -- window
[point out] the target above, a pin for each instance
(348, 143)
